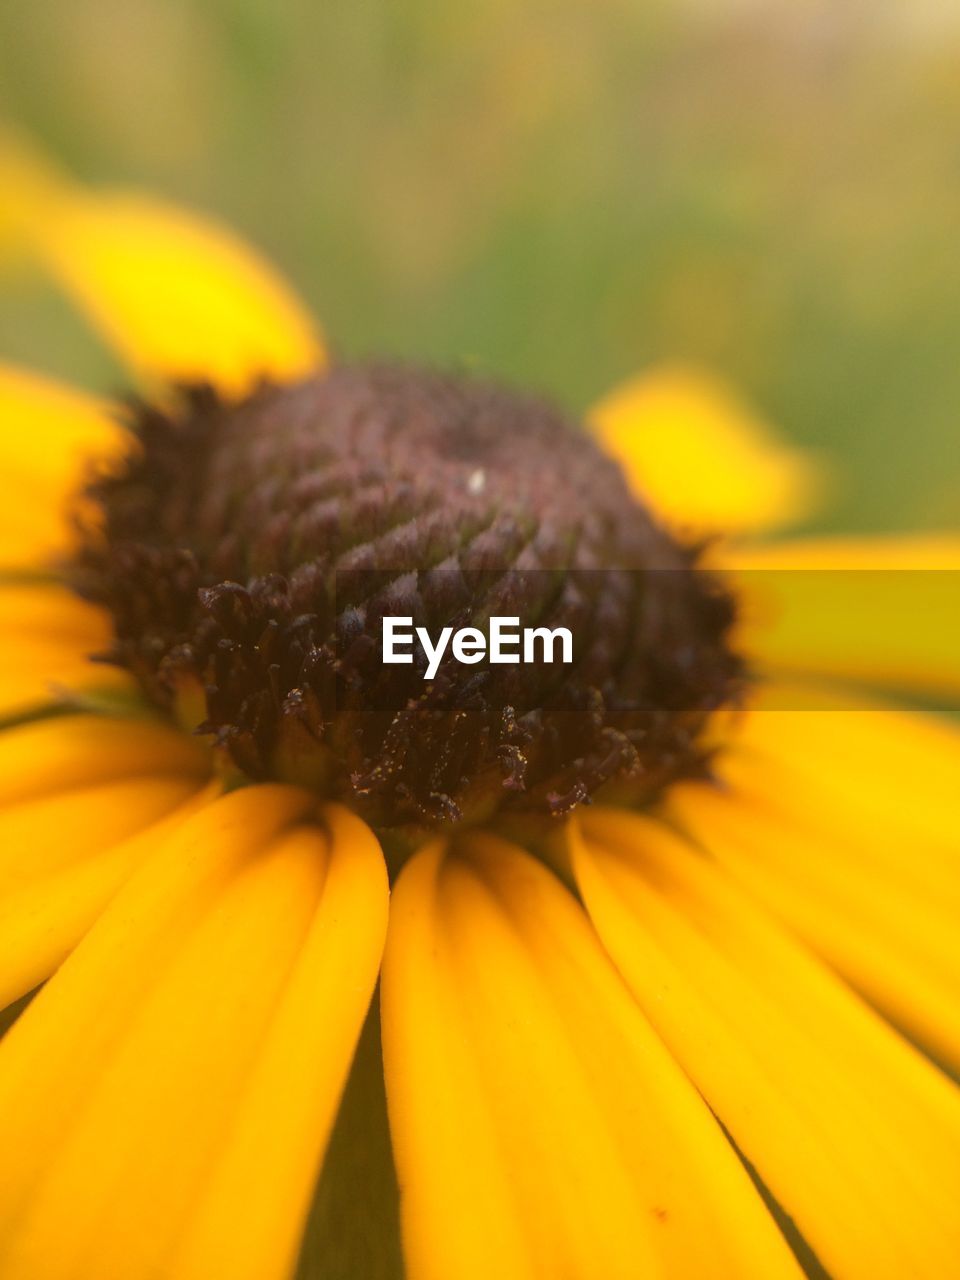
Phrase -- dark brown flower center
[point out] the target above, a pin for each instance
(251, 552)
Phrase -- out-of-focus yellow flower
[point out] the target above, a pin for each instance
(584, 1051)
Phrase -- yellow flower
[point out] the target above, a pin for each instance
(692, 1040)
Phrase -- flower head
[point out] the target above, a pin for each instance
(699, 1027)
(249, 552)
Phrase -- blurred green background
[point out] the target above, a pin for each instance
(559, 193)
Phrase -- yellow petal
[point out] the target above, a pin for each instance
(872, 769)
(844, 824)
(699, 457)
(165, 1100)
(82, 802)
(179, 296)
(305, 1064)
(41, 837)
(47, 637)
(540, 1128)
(47, 908)
(50, 438)
(28, 183)
(855, 1134)
(52, 756)
(893, 552)
(882, 611)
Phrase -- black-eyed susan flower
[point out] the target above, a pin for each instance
(699, 1028)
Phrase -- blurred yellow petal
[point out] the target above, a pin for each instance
(893, 552)
(82, 801)
(901, 955)
(62, 858)
(47, 637)
(69, 752)
(304, 1063)
(540, 1128)
(844, 825)
(882, 611)
(41, 837)
(45, 913)
(28, 184)
(877, 771)
(699, 457)
(179, 296)
(50, 438)
(855, 1134)
(165, 1100)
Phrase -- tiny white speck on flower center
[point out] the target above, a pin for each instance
(477, 481)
